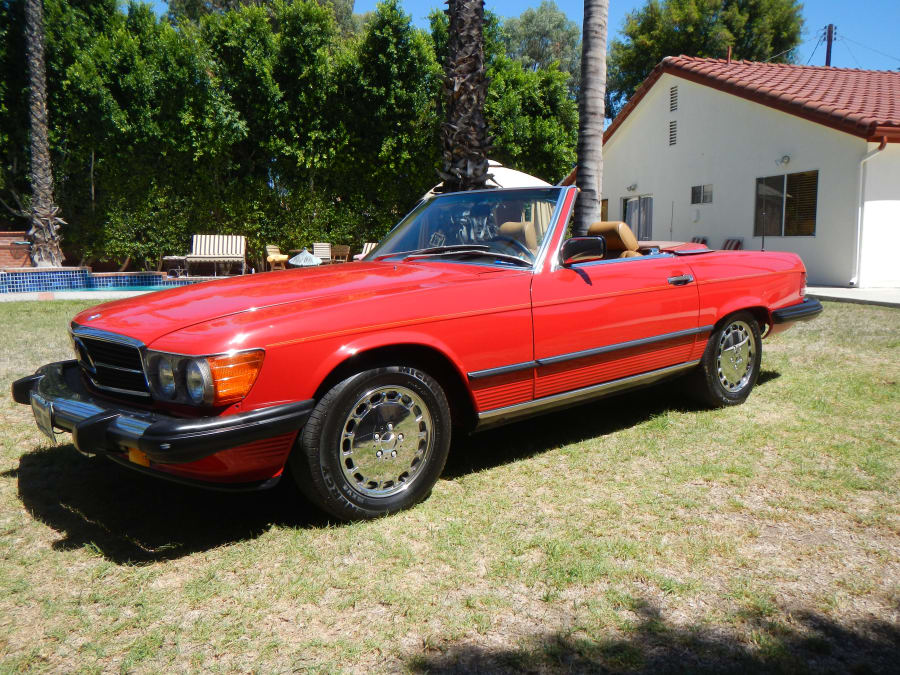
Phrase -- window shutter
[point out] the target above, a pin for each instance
(800, 204)
(673, 132)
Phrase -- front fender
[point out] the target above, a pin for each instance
(360, 344)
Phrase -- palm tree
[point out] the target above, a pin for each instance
(464, 137)
(589, 169)
(44, 230)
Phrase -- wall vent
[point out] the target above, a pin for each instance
(673, 132)
(673, 98)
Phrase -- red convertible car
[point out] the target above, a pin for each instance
(476, 309)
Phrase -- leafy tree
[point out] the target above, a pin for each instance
(533, 118)
(589, 177)
(544, 35)
(306, 135)
(387, 90)
(757, 30)
(194, 10)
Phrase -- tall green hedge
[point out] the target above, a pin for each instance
(267, 121)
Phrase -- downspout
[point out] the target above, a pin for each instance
(854, 280)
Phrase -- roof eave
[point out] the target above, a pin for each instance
(870, 131)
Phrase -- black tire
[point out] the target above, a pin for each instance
(726, 375)
(343, 460)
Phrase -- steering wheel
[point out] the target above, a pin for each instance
(514, 243)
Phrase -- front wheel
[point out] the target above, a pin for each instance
(730, 364)
(376, 443)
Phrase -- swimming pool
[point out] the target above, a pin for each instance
(30, 280)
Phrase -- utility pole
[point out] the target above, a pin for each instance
(829, 38)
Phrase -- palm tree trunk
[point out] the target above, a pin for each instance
(44, 230)
(464, 136)
(589, 176)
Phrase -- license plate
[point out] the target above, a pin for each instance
(43, 415)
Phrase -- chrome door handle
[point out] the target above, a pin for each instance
(682, 280)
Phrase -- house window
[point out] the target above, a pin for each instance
(673, 132)
(637, 212)
(673, 98)
(786, 205)
(701, 194)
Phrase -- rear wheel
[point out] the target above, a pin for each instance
(730, 364)
(376, 443)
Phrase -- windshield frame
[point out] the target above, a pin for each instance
(420, 205)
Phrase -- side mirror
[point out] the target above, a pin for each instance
(581, 247)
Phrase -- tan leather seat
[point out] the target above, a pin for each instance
(620, 240)
(521, 231)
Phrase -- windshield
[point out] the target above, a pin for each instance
(474, 226)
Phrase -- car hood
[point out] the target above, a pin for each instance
(149, 317)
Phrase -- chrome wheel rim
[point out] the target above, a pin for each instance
(385, 441)
(736, 353)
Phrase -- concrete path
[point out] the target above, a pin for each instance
(886, 297)
(99, 296)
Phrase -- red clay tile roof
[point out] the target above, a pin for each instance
(864, 103)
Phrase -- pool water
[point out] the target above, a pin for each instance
(82, 279)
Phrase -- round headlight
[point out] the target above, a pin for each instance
(165, 377)
(197, 382)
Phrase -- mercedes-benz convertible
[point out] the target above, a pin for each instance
(477, 309)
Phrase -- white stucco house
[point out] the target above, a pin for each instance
(807, 156)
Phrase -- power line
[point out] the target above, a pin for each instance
(807, 41)
(849, 50)
(780, 53)
(814, 50)
(860, 44)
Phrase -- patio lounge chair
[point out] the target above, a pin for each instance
(367, 249)
(340, 253)
(275, 257)
(217, 248)
(322, 250)
(735, 244)
(700, 240)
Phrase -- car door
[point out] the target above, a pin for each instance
(606, 320)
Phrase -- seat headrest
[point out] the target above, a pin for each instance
(523, 230)
(619, 236)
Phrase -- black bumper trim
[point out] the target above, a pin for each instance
(180, 440)
(21, 389)
(809, 309)
(99, 426)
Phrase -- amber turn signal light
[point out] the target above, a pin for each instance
(233, 375)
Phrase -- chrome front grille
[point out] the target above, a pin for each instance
(111, 366)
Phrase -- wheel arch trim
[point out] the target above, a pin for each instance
(370, 349)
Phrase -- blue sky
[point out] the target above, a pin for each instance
(866, 29)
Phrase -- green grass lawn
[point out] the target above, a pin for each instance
(637, 533)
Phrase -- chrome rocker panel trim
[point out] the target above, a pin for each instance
(569, 398)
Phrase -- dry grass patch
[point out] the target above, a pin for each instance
(642, 533)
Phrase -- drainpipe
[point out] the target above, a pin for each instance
(854, 281)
